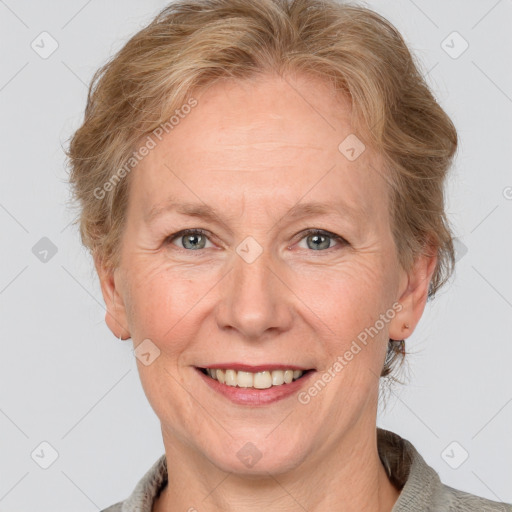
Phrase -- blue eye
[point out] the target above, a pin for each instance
(193, 239)
(196, 239)
(320, 239)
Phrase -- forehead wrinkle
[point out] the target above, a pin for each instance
(271, 146)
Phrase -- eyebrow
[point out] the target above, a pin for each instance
(190, 209)
(206, 212)
(316, 208)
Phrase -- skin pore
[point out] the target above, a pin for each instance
(252, 151)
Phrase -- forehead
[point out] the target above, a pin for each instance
(253, 143)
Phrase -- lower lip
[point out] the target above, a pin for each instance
(253, 396)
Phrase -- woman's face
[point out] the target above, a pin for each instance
(255, 290)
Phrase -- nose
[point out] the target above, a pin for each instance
(255, 299)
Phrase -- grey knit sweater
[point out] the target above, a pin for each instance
(421, 488)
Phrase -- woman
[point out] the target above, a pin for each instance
(261, 188)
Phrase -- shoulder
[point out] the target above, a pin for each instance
(146, 491)
(421, 487)
(456, 500)
(117, 507)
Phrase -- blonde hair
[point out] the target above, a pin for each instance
(193, 43)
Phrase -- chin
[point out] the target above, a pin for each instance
(256, 458)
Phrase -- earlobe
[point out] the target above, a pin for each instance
(115, 314)
(413, 295)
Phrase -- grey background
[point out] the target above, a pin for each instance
(66, 380)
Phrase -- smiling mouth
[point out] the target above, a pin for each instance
(256, 380)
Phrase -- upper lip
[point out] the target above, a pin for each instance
(254, 368)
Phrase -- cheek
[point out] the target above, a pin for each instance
(346, 298)
(160, 302)
(348, 305)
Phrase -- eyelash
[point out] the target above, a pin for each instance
(307, 232)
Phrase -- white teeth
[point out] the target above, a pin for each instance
(262, 380)
(258, 380)
(245, 380)
(277, 377)
(230, 377)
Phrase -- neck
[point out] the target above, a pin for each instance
(348, 478)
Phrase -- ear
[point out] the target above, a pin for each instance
(413, 294)
(115, 315)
